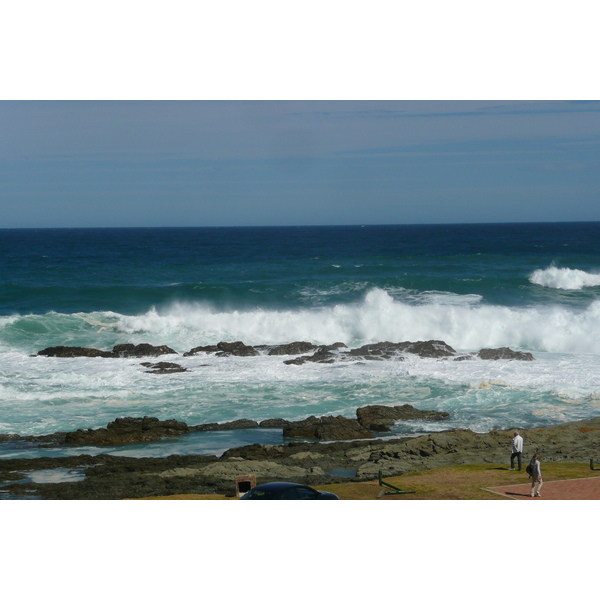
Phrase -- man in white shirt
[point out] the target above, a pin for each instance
(517, 451)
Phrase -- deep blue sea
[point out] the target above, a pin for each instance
(531, 287)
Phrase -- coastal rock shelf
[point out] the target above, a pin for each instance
(112, 477)
(129, 430)
(320, 354)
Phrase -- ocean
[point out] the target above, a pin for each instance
(530, 287)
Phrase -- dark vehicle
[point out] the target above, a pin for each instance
(286, 491)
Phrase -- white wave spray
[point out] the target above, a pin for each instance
(564, 279)
(465, 326)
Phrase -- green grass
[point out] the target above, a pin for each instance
(461, 482)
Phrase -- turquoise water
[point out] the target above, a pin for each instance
(531, 287)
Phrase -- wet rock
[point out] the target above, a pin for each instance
(380, 418)
(387, 350)
(321, 356)
(327, 428)
(198, 349)
(238, 424)
(140, 350)
(119, 351)
(163, 368)
(73, 352)
(127, 430)
(430, 349)
(293, 348)
(235, 349)
(503, 354)
(273, 423)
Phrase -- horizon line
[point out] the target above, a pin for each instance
(457, 223)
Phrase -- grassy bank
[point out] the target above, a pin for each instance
(462, 482)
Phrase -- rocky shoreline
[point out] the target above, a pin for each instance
(321, 354)
(318, 450)
(105, 477)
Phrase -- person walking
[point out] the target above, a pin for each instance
(536, 476)
(517, 451)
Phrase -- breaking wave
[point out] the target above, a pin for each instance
(564, 279)
(380, 317)
(465, 324)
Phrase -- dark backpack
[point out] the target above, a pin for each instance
(529, 470)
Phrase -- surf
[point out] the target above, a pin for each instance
(564, 278)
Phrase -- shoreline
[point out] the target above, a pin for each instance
(114, 477)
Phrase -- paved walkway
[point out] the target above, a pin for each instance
(568, 489)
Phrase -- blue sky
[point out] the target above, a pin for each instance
(220, 163)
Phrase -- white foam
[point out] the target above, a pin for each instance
(466, 325)
(564, 279)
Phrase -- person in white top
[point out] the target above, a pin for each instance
(517, 451)
(536, 475)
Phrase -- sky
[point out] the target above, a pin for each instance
(235, 163)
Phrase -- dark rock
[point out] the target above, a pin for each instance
(503, 354)
(380, 418)
(380, 349)
(273, 423)
(197, 349)
(430, 349)
(163, 368)
(73, 351)
(238, 424)
(386, 350)
(119, 351)
(332, 347)
(127, 430)
(321, 356)
(141, 350)
(293, 348)
(235, 349)
(327, 428)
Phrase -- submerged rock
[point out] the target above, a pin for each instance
(163, 368)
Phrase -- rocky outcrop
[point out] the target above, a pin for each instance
(273, 423)
(321, 356)
(380, 418)
(112, 477)
(140, 350)
(293, 348)
(503, 354)
(199, 349)
(163, 368)
(225, 349)
(238, 424)
(326, 428)
(127, 430)
(387, 350)
(119, 351)
(74, 351)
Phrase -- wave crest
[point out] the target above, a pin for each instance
(380, 317)
(564, 279)
(466, 324)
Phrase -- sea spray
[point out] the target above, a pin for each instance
(564, 278)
